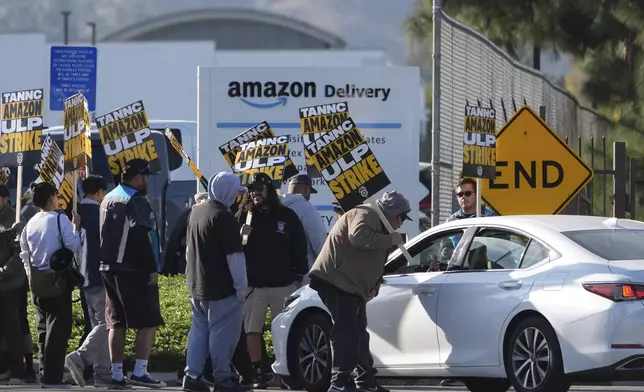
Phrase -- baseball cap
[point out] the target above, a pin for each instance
(303, 179)
(393, 203)
(260, 179)
(136, 166)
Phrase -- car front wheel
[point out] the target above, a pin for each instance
(533, 358)
(310, 353)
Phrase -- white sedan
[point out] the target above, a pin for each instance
(535, 302)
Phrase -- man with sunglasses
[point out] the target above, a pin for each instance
(466, 195)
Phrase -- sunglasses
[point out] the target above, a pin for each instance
(257, 188)
(466, 194)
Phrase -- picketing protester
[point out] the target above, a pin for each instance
(347, 274)
(26, 213)
(94, 350)
(129, 272)
(300, 188)
(275, 260)
(175, 263)
(466, 195)
(12, 281)
(216, 279)
(174, 259)
(48, 243)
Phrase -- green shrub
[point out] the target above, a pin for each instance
(170, 345)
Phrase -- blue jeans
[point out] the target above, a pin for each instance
(215, 329)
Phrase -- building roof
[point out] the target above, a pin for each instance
(249, 15)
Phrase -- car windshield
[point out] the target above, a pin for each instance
(609, 244)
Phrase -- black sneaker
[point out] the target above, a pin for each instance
(373, 388)
(232, 385)
(343, 388)
(146, 381)
(122, 384)
(263, 380)
(194, 385)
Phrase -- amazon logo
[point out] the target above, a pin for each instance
(266, 95)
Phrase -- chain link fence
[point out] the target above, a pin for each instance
(473, 69)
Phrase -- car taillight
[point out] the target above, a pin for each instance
(616, 291)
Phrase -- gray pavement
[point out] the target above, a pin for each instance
(172, 387)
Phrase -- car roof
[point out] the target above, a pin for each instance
(545, 227)
(560, 223)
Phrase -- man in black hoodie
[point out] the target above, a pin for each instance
(94, 350)
(275, 259)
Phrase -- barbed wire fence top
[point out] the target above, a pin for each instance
(472, 70)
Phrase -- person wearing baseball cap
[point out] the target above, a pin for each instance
(128, 265)
(299, 193)
(275, 260)
(347, 274)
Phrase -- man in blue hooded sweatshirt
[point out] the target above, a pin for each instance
(216, 278)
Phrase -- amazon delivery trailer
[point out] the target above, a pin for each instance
(384, 102)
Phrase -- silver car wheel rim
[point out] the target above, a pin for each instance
(314, 354)
(530, 358)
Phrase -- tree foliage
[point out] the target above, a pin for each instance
(604, 37)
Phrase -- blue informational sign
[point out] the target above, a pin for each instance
(73, 70)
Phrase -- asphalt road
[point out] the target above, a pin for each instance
(34, 388)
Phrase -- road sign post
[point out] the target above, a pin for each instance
(536, 171)
(72, 70)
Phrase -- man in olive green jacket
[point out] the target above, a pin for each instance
(347, 274)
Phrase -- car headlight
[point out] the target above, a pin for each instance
(289, 300)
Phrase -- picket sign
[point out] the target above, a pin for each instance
(19, 193)
(390, 229)
(186, 158)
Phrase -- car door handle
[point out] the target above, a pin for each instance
(424, 290)
(510, 285)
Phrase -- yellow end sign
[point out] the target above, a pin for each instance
(536, 171)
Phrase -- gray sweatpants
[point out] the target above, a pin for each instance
(95, 350)
(215, 330)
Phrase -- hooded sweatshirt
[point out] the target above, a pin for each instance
(312, 222)
(215, 263)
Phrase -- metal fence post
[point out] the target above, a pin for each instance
(436, 93)
(619, 179)
(633, 182)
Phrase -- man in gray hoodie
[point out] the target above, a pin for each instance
(300, 189)
(216, 278)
